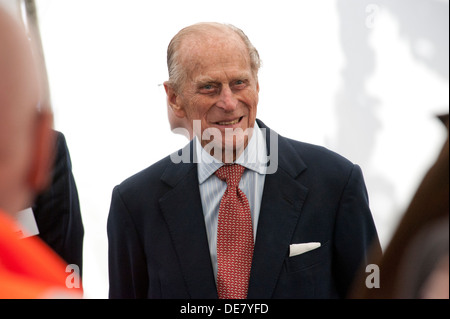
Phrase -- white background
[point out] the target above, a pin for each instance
(363, 78)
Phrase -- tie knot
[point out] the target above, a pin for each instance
(231, 174)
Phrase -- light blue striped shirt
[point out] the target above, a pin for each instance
(254, 158)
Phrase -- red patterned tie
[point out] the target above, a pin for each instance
(234, 236)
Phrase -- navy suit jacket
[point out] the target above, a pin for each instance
(158, 245)
(57, 209)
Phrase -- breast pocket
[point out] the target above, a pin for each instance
(306, 260)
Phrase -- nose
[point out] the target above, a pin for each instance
(227, 100)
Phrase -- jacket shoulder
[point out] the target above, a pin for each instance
(316, 152)
(322, 161)
(146, 179)
(311, 154)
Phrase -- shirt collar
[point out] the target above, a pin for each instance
(253, 158)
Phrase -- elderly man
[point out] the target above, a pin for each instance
(28, 268)
(240, 212)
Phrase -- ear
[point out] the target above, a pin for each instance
(173, 100)
(43, 152)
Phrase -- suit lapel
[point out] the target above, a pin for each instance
(183, 213)
(281, 205)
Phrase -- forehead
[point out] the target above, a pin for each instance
(204, 54)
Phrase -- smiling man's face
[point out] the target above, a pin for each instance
(220, 90)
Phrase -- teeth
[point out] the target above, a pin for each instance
(229, 123)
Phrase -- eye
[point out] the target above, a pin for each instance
(239, 84)
(207, 89)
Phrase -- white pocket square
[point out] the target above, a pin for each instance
(297, 249)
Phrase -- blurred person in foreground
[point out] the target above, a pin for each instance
(415, 264)
(247, 215)
(28, 269)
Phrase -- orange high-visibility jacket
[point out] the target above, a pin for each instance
(30, 269)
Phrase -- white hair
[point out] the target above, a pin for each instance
(177, 74)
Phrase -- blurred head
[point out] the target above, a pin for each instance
(26, 139)
(213, 78)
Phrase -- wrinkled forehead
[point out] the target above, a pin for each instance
(212, 48)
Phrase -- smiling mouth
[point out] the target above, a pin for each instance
(233, 122)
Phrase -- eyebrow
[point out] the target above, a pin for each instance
(207, 79)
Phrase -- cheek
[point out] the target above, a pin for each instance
(198, 107)
(255, 103)
(251, 100)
